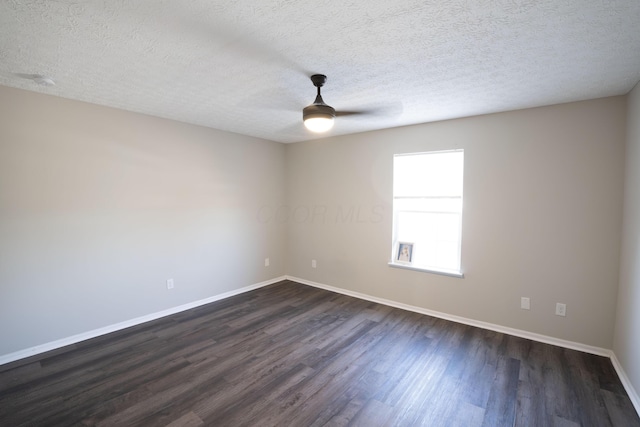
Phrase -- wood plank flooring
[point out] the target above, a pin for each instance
(293, 355)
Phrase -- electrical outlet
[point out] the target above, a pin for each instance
(313, 263)
(266, 262)
(525, 303)
(561, 309)
(169, 283)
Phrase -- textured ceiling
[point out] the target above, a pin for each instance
(244, 66)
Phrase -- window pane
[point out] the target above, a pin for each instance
(428, 174)
(435, 238)
(427, 207)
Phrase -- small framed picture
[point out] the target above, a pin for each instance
(404, 254)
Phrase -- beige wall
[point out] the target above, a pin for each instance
(627, 332)
(98, 207)
(542, 216)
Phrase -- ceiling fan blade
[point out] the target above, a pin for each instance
(353, 113)
(390, 110)
(40, 79)
(273, 98)
(236, 40)
(320, 109)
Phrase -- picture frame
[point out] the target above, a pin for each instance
(404, 253)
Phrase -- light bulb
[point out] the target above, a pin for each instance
(319, 124)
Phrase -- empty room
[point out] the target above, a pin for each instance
(279, 213)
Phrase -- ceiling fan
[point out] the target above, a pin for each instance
(319, 117)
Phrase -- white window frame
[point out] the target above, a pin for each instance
(397, 245)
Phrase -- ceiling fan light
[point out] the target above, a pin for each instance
(318, 117)
(318, 124)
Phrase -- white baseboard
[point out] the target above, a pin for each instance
(624, 379)
(458, 319)
(626, 383)
(42, 348)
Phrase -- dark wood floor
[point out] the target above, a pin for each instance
(292, 355)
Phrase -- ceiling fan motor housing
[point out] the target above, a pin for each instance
(318, 110)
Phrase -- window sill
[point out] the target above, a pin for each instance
(427, 270)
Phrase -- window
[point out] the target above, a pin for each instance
(427, 211)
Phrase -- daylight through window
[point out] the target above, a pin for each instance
(427, 211)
